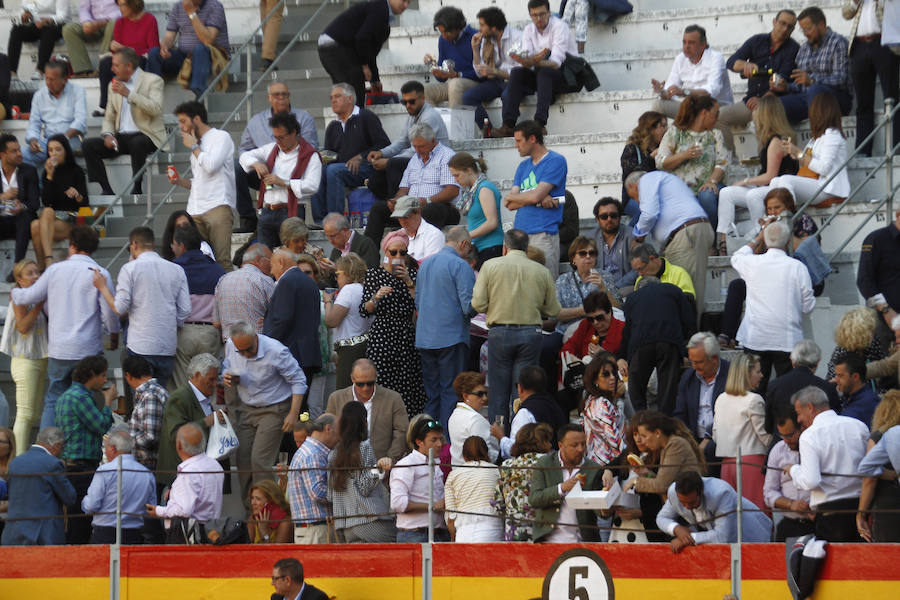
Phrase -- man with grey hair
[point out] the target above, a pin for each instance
(307, 489)
(779, 293)
(354, 134)
(444, 300)
(196, 493)
(645, 260)
(271, 387)
(517, 294)
(831, 447)
(138, 490)
(38, 498)
(671, 213)
(256, 135)
(190, 404)
(698, 390)
(344, 240)
(244, 294)
(426, 178)
(805, 357)
(424, 238)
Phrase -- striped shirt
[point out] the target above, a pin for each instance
(425, 179)
(828, 64)
(470, 489)
(242, 295)
(211, 13)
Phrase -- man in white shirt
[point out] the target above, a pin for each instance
(133, 123)
(490, 57)
(779, 293)
(830, 444)
(197, 490)
(779, 490)
(547, 41)
(212, 199)
(289, 169)
(424, 238)
(697, 69)
(410, 486)
(77, 314)
(153, 292)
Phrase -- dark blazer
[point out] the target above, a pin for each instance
(545, 499)
(361, 134)
(389, 420)
(657, 313)
(310, 592)
(363, 29)
(42, 496)
(687, 403)
(181, 408)
(293, 318)
(29, 192)
(781, 389)
(364, 247)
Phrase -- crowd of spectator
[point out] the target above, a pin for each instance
(435, 335)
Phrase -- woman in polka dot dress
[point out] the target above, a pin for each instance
(389, 294)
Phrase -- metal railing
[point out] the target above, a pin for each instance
(246, 47)
(890, 149)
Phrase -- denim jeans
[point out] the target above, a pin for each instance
(483, 92)
(510, 347)
(162, 365)
(797, 105)
(332, 193)
(59, 374)
(421, 536)
(710, 204)
(201, 65)
(440, 367)
(268, 228)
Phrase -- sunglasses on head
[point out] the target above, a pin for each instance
(397, 252)
(583, 253)
(605, 216)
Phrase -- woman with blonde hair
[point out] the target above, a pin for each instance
(739, 422)
(350, 329)
(882, 492)
(855, 333)
(270, 514)
(695, 151)
(25, 341)
(640, 152)
(771, 126)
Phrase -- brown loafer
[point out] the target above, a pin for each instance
(504, 131)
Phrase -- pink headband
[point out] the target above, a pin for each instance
(399, 235)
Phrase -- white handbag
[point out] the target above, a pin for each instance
(223, 441)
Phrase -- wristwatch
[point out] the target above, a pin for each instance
(195, 147)
(192, 16)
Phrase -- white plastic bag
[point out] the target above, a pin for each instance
(223, 441)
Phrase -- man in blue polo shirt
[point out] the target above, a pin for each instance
(539, 190)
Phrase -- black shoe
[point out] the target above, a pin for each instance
(245, 225)
(265, 64)
(100, 112)
(10, 278)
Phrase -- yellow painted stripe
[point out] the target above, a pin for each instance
(401, 588)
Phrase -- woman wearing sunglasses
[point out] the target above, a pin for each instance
(604, 424)
(389, 293)
(598, 331)
(466, 419)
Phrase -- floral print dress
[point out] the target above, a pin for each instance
(511, 496)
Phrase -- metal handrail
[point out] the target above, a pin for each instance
(247, 97)
(890, 113)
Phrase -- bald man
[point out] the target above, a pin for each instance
(388, 421)
(197, 490)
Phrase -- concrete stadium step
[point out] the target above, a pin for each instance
(656, 29)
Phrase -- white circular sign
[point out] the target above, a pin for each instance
(578, 574)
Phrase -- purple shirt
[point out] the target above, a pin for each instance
(98, 10)
(211, 13)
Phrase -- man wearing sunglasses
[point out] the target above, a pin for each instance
(388, 421)
(614, 242)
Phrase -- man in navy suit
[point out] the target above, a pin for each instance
(294, 311)
(698, 389)
(35, 497)
(708, 507)
(287, 579)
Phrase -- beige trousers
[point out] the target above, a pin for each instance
(215, 226)
(689, 249)
(450, 91)
(272, 28)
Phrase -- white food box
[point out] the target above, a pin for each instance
(602, 499)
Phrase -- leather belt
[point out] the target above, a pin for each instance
(683, 225)
(197, 323)
(281, 206)
(875, 37)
